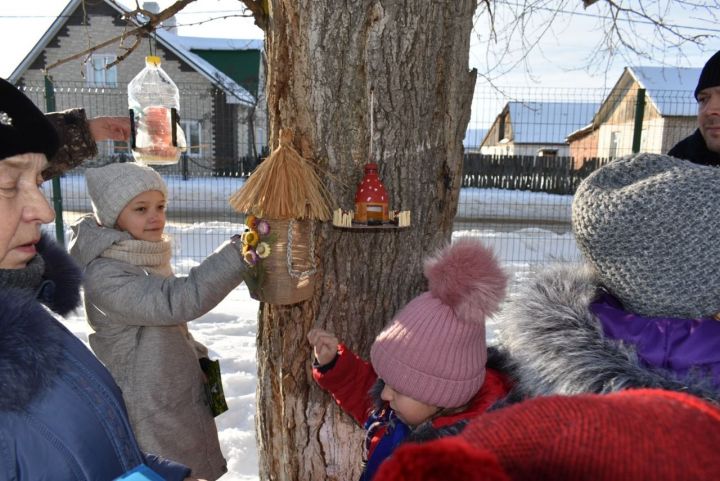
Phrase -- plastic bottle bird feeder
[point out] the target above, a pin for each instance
(154, 101)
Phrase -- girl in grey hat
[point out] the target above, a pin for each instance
(139, 310)
(642, 310)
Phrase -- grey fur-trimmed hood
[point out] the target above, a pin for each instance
(94, 240)
(558, 346)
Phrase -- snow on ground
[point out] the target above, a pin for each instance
(229, 330)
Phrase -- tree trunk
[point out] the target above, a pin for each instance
(324, 58)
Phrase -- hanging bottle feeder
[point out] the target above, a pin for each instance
(154, 101)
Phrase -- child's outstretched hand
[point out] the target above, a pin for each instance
(324, 344)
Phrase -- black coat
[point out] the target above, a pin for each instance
(693, 148)
(62, 416)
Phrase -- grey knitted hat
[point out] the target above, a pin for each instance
(113, 186)
(650, 226)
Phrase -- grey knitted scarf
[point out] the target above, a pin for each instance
(153, 256)
(28, 278)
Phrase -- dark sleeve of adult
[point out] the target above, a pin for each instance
(694, 149)
(169, 470)
(76, 141)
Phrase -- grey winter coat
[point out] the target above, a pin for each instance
(557, 345)
(140, 334)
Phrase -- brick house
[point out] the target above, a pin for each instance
(221, 81)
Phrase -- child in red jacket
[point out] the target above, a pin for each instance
(428, 375)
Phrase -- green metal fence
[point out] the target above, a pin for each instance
(526, 152)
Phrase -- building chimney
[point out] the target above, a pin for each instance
(152, 7)
(170, 25)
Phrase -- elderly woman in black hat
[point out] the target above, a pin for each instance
(61, 414)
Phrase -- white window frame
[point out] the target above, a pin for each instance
(547, 152)
(96, 75)
(187, 125)
(614, 146)
(117, 148)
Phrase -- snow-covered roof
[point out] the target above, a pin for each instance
(473, 138)
(203, 43)
(235, 92)
(548, 122)
(670, 89)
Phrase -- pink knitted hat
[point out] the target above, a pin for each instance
(434, 350)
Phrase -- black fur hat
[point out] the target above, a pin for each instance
(23, 127)
(710, 75)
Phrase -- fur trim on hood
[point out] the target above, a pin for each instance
(94, 240)
(30, 350)
(558, 345)
(65, 275)
(30, 338)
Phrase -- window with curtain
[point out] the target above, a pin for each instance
(193, 137)
(97, 73)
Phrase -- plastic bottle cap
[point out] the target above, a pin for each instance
(153, 59)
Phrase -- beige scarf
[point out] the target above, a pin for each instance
(152, 256)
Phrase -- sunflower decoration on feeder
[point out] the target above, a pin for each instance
(283, 199)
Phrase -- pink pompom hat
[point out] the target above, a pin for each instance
(434, 350)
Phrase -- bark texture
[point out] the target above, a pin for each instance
(324, 57)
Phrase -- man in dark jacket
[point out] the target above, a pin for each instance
(703, 146)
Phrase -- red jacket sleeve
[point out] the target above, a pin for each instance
(349, 381)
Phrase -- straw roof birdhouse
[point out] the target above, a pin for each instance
(286, 197)
(283, 186)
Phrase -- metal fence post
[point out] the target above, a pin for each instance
(56, 189)
(184, 157)
(639, 112)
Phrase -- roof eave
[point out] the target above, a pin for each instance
(43, 42)
(231, 88)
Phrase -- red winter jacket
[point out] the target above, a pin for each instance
(634, 435)
(350, 379)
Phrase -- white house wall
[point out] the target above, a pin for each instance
(652, 136)
(524, 149)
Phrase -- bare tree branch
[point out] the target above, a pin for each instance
(152, 22)
(259, 9)
(631, 29)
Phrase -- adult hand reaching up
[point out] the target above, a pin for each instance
(110, 128)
